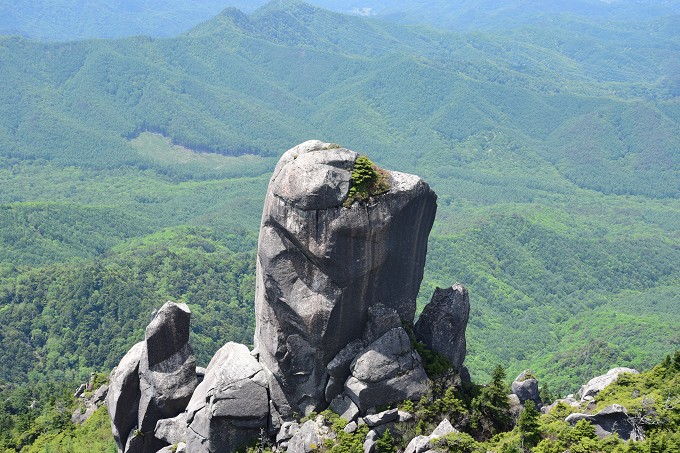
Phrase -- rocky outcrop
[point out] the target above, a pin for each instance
(344, 407)
(442, 323)
(525, 386)
(322, 265)
(231, 406)
(308, 437)
(122, 399)
(597, 384)
(612, 419)
(167, 370)
(88, 404)
(172, 430)
(154, 381)
(420, 444)
(336, 281)
(387, 371)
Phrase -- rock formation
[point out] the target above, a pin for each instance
(336, 283)
(420, 444)
(154, 381)
(611, 419)
(597, 384)
(231, 405)
(442, 323)
(386, 371)
(88, 404)
(321, 265)
(525, 386)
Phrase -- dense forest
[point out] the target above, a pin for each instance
(133, 171)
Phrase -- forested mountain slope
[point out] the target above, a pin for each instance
(558, 176)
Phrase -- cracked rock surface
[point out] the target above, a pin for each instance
(321, 265)
(231, 405)
(442, 323)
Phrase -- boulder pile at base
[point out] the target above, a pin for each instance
(336, 286)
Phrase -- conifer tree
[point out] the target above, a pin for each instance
(528, 425)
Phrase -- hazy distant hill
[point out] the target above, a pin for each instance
(554, 151)
(494, 14)
(77, 19)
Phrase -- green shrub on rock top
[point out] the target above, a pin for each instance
(367, 180)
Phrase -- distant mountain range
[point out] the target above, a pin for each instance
(64, 20)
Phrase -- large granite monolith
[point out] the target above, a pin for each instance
(321, 265)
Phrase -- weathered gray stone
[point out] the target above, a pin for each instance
(166, 388)
(339, 366)
(388, 356)
(135, 442)
(168, 332)
(443, 429)
(200, 374)
(525, 386)
(81, 414)
(515, 405)
(334, 388)
(345, 407)
(569, 400)
(99, 395)
(370, 441)
(381, 319)
(442, 323)
(405, 416)
(178, 448)
(597, 384)
(382, 418)
(172, 430)
(350, 427)
(418, 444)
(167, 370)
(306, 439)
(612, 419)
(288, 429)
(154, 380)
(87, 406)
(411, 385)
(123, 395)
(421, 444)
(321, 265)
(388, 371)
(230, 407)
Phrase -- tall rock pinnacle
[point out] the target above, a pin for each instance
(322, 262)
